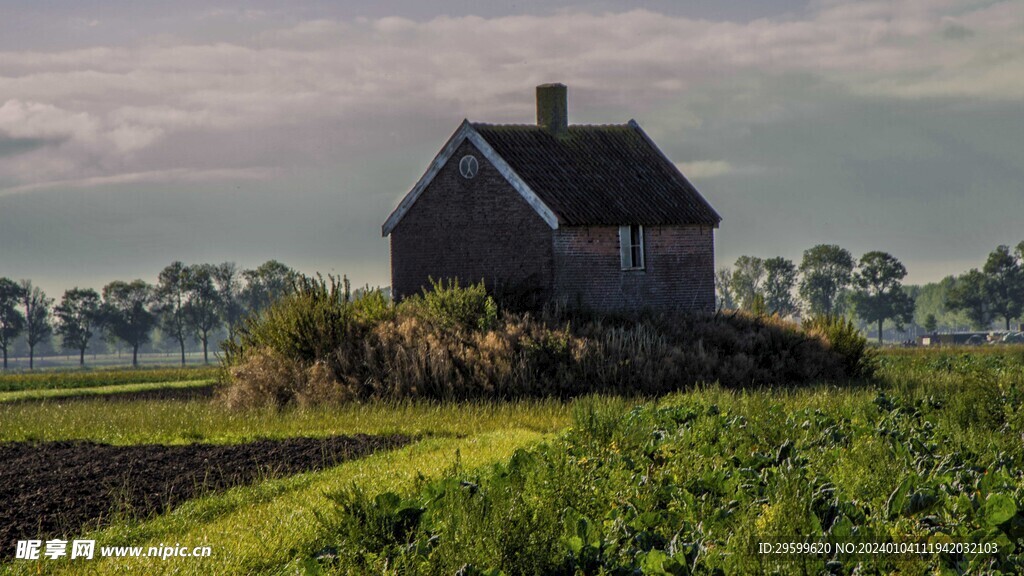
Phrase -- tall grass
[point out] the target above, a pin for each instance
(184, 422)
(453, 343)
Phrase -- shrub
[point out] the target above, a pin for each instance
(371, 308)
(452, 343)
(266, 378)
(449, 306)
(845, 339)
(306, 325)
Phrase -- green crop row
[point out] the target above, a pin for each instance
(120, 391)
(695, 483)
(49, 380)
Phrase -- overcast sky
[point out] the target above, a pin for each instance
(137, 133)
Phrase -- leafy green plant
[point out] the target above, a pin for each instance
(449, 306)
(844, 338)
(693, 483)
(306, 325)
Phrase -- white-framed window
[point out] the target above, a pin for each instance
(631, 247)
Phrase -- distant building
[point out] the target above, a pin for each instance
(594, 216)
(956, 339)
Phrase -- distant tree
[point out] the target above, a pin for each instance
(226, 278)
(723, 289)
(78, 317)
(267, 283)
(747, 276)
(171, 297)
(127, 313)
(931, 323)
(758, 307)
(12, 322)
(1004, 284)
(780, 279)
(37, 317)
(203, 304)
(826, 271)
(932, 298)
(878, 294)
(968, 295)
(1019, 252)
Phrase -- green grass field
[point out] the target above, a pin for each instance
(58, 394)
(930, 453)
(183, 422)
(92, 378)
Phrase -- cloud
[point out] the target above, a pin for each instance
(38, 120)
(953, 30)
(874, 124)
(704, 168)
(105, 111)
(66, 142)
(155, 176)
(13, 146)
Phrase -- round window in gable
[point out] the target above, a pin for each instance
(468, 166)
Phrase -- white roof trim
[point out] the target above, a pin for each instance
(466, 131)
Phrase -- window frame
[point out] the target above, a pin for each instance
(632, 254)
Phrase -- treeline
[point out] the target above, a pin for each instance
(830, 282)
(189, 303)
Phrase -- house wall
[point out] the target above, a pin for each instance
(472, 230)
(679, 272)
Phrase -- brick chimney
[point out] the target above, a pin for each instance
(553, 108)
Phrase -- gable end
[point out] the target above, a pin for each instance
(467, 132)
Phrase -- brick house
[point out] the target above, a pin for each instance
(593, 216)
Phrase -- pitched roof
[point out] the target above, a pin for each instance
(595, 175)
(600, 175)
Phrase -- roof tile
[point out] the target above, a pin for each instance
(600, 175)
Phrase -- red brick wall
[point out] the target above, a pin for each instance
(679, 271)
(471, 230)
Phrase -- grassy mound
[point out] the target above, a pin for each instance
(453, 342)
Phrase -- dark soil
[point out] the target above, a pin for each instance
(49, 489)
